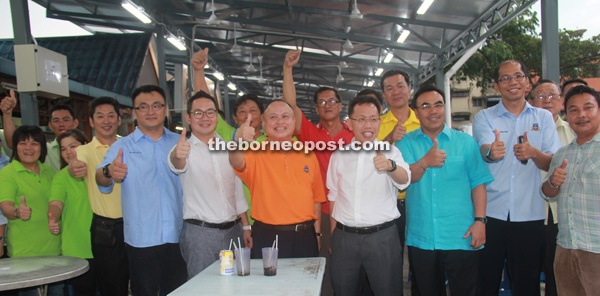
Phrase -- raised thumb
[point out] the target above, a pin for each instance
(120, 155)
(23, 200)
(435, 144)
(497, 132)
(183, 133)
(249, 119)
(564, 164)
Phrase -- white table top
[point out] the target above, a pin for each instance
(295, 276)
(23, 272)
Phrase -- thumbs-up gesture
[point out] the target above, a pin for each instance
(53, 224)
(77, 169)
(24, 210)
(559, 175)
(524, 151)
(182, 150)
(435, 157)
(8, 103)
(118, 169)
(397, 133)
(246, 131)
(200, 59)
(497, 149)
(291, 58)
(382, 164)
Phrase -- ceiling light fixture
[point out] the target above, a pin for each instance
(241, 93)
(232, 86)
(348, 44)
(137, 11)
(177, 42)
(370, 82)
(403, 35)
(378, 72)
(388, 58)
(424, 6)
(355, 12)
(219, 75)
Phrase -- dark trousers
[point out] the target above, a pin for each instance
(156, 270)
(431, 267)
(85, 284)
(549, 250)
(380, 255)
(292, 244)
(112, 269)
(326, 289)
(521, 245)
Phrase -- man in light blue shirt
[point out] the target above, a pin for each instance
(151, 196)
(517, 140)
(445, 204)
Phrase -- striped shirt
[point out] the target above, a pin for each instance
(579, 198)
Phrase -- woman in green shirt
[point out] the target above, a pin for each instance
(70, 213)
(24, 198)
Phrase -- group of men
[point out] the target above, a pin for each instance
(164, 205)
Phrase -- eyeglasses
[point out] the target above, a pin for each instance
(198, 114)
(145, 107)
(331, 102)
(551, 97)
(428, 107)
(506, 79)
(362, 121)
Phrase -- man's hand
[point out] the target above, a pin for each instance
(435, 157)
(76, 168)
(291, 58)
(524, 151)
(245, 131)
(8, 103)
(24, 210)
(200, 59)
(248, 239)
(559, 175)
(477, 233)
(396, 134)
(182, 150)
(497, 149)
(53, 224)
(118, 169)
(382, 164)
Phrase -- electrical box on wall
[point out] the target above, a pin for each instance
(41, 70)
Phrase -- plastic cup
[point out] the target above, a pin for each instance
(242, 261)
(270, 260)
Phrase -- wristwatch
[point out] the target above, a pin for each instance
(246, 227)
(481, 219)
(105, 172)
(488, 156)
(393, 166)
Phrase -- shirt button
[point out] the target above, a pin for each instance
(433, 189)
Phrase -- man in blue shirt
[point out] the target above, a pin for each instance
(151, 196)
(445, 204)
(517, 140)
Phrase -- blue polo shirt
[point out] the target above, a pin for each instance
(439, 208)
(516, 189)
(151, 196)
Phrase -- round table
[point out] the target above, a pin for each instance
(23, 272)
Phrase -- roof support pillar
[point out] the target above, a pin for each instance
(550, 53)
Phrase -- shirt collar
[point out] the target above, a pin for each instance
(54, 143)
(446, 131)
(19, 166)
(501, 109)
(319, 126)
(138, 134)
(561, 123)
(389, 117)
(194, 140)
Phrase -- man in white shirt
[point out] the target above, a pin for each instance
(363, 187)
(213, 197)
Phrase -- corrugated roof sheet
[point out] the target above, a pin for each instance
(108, 61)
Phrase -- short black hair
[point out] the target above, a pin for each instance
(574, 80)
(200, 95)
(104, 101)
(325, 88)
(371, 92)
(148, 89)
(425, 89)
(75, 133)
(581, 89)
(62, 107)
(248, 97)
(542, 81)
(25, 132)
(361, 100)
(391, 73)
(497, 70)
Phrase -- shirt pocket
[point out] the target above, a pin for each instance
(454, 168)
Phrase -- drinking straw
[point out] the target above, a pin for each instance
(240, 250)
(277, 241)
(230, 242)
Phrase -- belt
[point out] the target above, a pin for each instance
(225, 225)
(106, 221)
(303, 226)
(365, 230)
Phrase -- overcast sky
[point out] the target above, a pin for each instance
(573, 15)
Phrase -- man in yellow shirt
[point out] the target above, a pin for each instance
(108, 244)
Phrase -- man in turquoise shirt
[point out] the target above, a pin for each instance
(151, 196)
(446, 202)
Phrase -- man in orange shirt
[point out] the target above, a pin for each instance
(286, 188)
